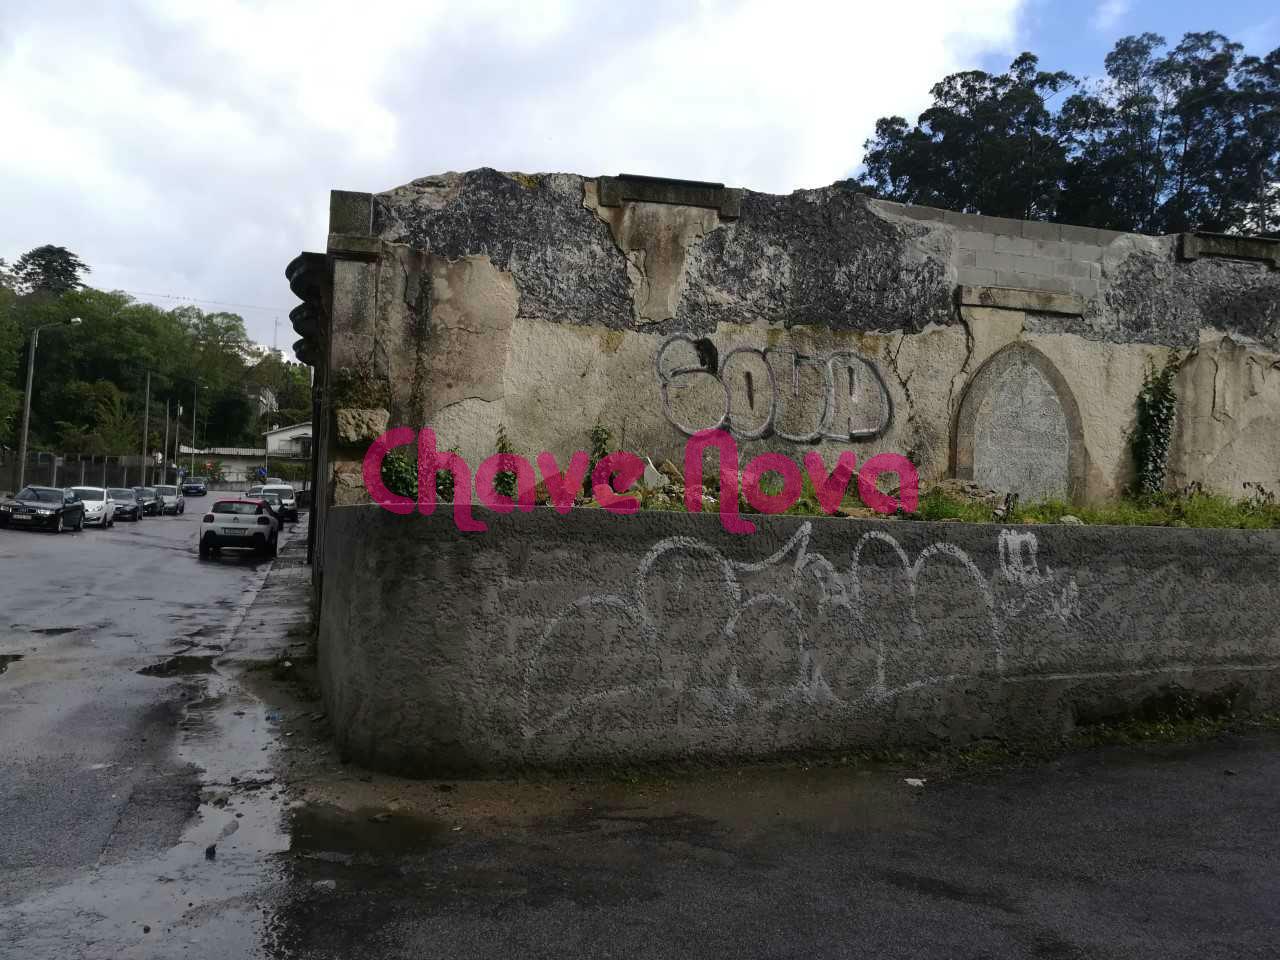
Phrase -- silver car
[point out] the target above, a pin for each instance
(288, 508)
(171, 500)
(99, 508)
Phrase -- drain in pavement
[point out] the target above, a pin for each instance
(8, 658)
(54, 631)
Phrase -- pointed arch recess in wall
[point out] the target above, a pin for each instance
(962, 444)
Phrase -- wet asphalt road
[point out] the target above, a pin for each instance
(114, 783)
(89, 774)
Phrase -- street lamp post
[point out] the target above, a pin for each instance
(26, 405)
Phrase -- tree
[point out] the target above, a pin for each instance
(987, 145)
(1167, 141)
(49, 269)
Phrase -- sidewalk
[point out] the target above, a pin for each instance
(277, 622)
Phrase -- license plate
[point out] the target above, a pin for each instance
(234, 531)
(22, 517)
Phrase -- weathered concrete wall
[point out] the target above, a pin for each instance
(592, 638)
(468, 300)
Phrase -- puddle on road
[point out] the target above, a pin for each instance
(182, 665)
(53, 631)
(368, 831)
(212, 894)
(8, 658)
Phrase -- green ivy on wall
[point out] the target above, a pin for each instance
(1157, 407)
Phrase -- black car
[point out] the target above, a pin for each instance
(48, 508)
(128, 502)
(150, 501)
(194, 487)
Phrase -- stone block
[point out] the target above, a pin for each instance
(967, 258)
(1036, 230)
(1085, 251)
(1017, 245)
(361, 425)
(1015, 298)
(1055, 249)
(996, 261)
(971, 240)
(1000, 226)
(976, 276)
(351, 213)
(1074, 268)
(1073, 234)
(1034, 266)
(1192, 246)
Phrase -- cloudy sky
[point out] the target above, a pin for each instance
(186, 150)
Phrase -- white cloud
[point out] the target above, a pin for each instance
(190, 147)
(1108, 14)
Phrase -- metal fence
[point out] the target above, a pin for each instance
(75, 470)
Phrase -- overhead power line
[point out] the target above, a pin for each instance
(220, 303)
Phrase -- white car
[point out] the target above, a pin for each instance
(99, 508)
(288, 498)
(242, 524)
(171, 500)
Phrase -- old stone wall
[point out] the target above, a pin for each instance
(590, 638)
(549, 302)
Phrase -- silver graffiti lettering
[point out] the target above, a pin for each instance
(783, 367)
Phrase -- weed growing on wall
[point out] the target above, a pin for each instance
(1157, 406)
(400, 474)
(600, 441)
(505, 481)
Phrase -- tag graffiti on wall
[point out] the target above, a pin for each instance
(839, 396)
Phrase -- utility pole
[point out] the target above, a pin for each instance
(26, 406)
(164, 450)
(194, 396)
(146, 423)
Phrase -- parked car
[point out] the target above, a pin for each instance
(150, 502)
(243, 524)
(288, 505)
(272, 500)
(171, 500)
(195, 487)
(50, 508)
(99, 508)
(128, 503)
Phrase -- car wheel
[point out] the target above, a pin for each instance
(79, 523)
(273, 546)
(204, 550)
(57, 527)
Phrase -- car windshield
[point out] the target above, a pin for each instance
(119, 493)
(234, 507)
(40, 493)
(167, 491)
(280, 491)
(88, 493)
(149, 491)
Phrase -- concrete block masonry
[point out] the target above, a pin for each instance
(600, 639)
